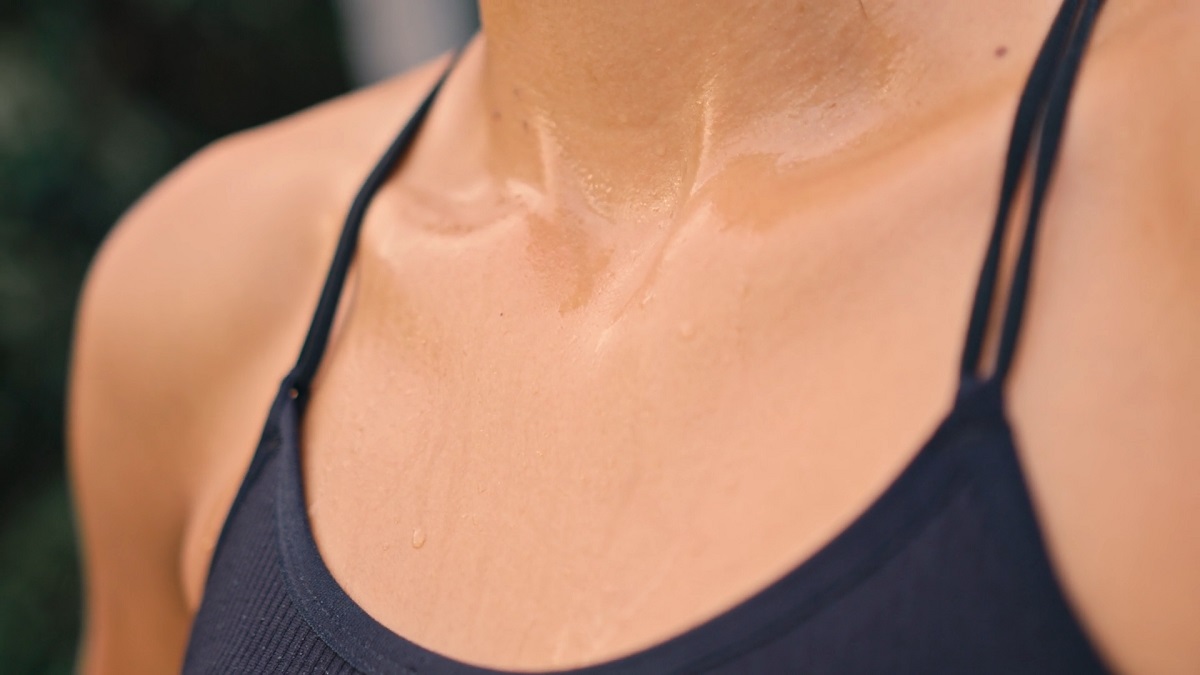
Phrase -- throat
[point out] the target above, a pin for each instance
(625, 108)
(628, 102)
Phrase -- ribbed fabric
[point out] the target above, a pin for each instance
(258, 628)
(946, 572)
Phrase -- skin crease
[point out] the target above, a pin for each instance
(602, 366)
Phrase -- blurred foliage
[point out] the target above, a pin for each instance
(99, 98)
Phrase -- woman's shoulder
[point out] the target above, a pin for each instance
(192, 311)
(1107, 381)
(231, 247)
(1137, 93)
(246, 215)
(235, 241)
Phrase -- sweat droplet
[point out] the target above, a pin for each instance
(418, 538)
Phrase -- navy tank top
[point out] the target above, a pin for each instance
(946, 572)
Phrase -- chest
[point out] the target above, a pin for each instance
(527, 431)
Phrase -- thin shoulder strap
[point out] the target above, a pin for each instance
(300, 379)
(1042, 112)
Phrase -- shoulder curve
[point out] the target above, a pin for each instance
(1140, 98)
(192, 309)
(236, 239)
(1108, 375)
(1130, 165)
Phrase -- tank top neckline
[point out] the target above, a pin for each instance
(972, 448)
(934, 477)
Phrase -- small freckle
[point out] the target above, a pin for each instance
(1001, 51)
(495, 115)
(418, 538)
(525, 125)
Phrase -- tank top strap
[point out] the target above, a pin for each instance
(1041, 117)
(299, 380)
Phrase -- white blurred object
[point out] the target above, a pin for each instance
(385, 37)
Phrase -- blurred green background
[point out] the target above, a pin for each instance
(98, 99)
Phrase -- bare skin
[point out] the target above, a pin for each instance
(613, 326)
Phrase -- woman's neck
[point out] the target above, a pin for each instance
(627, 105)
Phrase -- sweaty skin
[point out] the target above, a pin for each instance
(601, 368)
